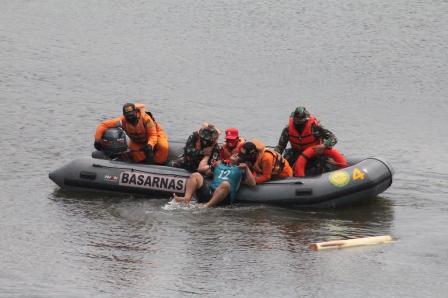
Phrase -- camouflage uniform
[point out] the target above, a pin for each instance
(192, 157)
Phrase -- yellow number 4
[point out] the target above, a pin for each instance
(358, 174)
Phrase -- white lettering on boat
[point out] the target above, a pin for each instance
(152, 181)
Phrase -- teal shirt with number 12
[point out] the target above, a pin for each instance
(232, 174)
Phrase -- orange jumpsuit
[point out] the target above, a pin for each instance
(146, 131)
(270, 164)
(266, 169)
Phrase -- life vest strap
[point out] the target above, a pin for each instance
(304, 156)
(278, 160)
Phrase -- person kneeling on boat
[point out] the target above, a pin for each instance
(266, 163)
(232, 144)
(227, 178)
(203, 142)
(302, 132)
(148, 142)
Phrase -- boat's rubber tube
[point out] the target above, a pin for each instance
(361, 181)
(365, 179)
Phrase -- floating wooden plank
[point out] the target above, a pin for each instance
(351, 242)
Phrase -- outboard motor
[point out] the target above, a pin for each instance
(114, 145)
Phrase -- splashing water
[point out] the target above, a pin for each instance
(173, 205)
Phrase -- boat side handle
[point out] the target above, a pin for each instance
(87, 175)
(304, 192)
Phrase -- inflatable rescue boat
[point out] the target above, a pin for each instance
(361, 180)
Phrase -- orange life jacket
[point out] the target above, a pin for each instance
(226, 152)
(301, 141)
(277, 165)
(137, 133)
(141, 107)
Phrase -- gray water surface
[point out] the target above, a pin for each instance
(375, 73)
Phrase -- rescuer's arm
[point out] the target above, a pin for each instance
(266, 169)
(106, 124)
(151, 131)
(190, 146)
(283, 141)
(249, 178)
(327, 137)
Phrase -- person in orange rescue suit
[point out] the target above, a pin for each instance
(148, 142)
(203, 142)
(267, 164)
(304, 130)
(232, 144)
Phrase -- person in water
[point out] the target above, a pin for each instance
(148, 142)
(266, 163)
(303, 131)
(227, 178)
(232, 144)
(201, 143)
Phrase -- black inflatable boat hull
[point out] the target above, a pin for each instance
(361, 181)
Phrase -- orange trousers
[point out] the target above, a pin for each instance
(160, 151)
